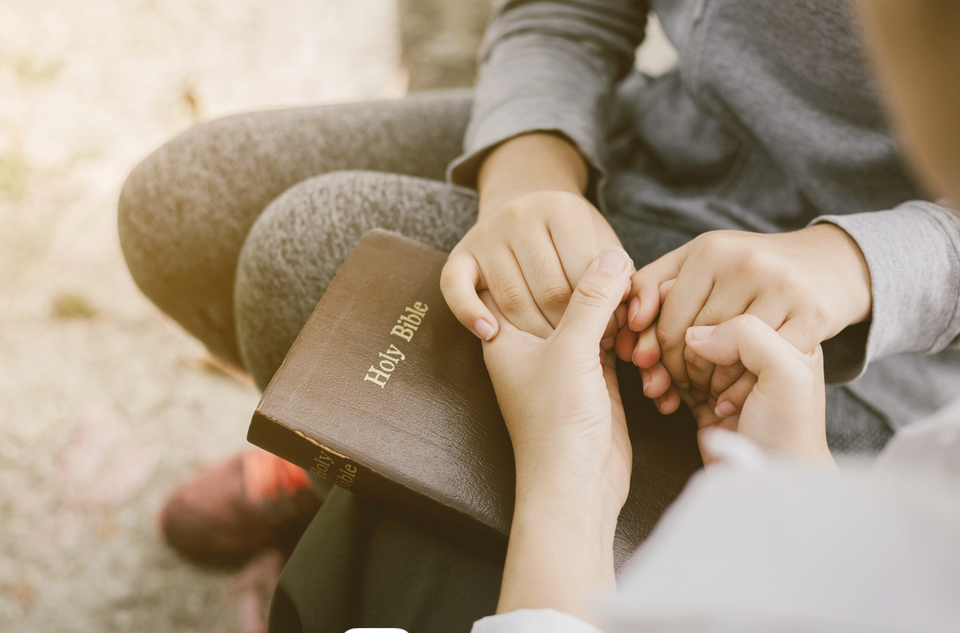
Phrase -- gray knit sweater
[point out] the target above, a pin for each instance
(771, 123)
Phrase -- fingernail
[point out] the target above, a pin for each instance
(645, 379)
(725, 409)
(483, 329)
(662, 403)
(700, 332)
(633, 310)
(699, 396)
(613, 260)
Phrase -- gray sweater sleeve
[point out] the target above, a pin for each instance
(550, 65)
(913, 253)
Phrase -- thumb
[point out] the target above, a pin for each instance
(746, 338)
(598, 293)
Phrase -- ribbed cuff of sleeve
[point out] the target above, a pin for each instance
(523, 116)
(913, 253)
(533, 621)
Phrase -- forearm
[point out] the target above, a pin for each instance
(913, 257)
(528, 163)
(561, 405)
(550, 66)
(561, 544)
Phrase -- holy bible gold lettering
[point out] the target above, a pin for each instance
(407, 325)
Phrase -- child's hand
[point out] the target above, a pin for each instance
(808, 285)
(784, 413)
(529, 253)
(535, 236)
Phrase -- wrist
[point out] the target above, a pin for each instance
(561, 485)
(561, 546)
(577, 521)
(528, 163)
(857, 295)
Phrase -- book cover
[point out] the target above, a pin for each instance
(385, 394)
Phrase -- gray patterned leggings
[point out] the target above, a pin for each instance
(236, 227)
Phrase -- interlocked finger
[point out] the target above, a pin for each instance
(549, 286)
(732, 384)
(513, 297)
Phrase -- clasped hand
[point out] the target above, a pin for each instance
(535, 235)
(808, 285)
(560, 398)
(528, 253)
(561, 404)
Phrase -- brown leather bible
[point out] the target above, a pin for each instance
(385, 394)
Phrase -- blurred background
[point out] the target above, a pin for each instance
(105, 404)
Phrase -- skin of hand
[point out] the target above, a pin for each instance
(808, 285)
(784, 412)
(561, 404)
(534, 237)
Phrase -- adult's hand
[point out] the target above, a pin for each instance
(784, 412)
(808, 285)
(561, 403)
(535, 235)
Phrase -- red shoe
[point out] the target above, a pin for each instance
(239, 507)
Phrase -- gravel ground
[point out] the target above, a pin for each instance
(107, 404)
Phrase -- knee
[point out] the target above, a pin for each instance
(298, 244)
(283, 269)
(180, 234)
(294, 250)
(163, 205)
(137, 217)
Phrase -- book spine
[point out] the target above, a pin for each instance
(313, 457)
(394, 498)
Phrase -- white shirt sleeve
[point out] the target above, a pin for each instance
(533, 621)
(871, 548)
(760, 545)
